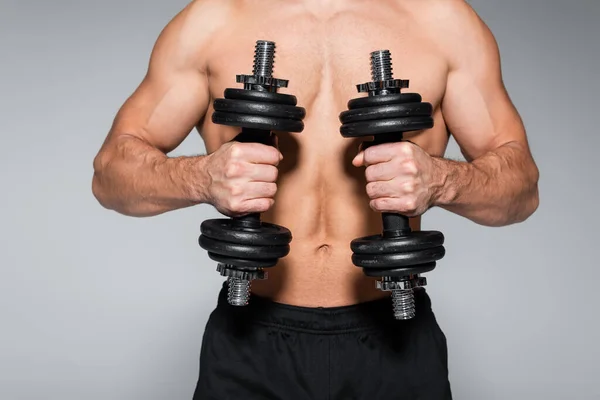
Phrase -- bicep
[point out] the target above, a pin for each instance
(164, 109)
(173, 96)
(476, 106)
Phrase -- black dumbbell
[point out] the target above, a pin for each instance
(398, 255)
(244, 246)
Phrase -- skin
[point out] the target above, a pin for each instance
(317, 183)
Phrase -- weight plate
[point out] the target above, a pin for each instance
(395, 260)
(259, 108)
(257, 122)
(267, 235)
(256, 95)
(416, 240)
(386, 112)
(400, 272)
(243, 250)
(243, 263)
(372, 128)
(362, 102)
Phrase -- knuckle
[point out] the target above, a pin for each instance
(374, 204)
(271, 189)
(264, 205)
(269, 203)
(405, 148)
(273, 174)
(409, 187)
(371, 189)
(273, 155)
(236, 150)
(379, 204)
(237, 169)
(235, 205)
(235, 190)
(409, 205)
(231, 170)
(397, 148)
(370, 173)
(410, 166)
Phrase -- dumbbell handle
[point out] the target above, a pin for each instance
(248, 135)
(394, 224)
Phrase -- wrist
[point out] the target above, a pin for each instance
(448, 177)
(198, 180)
(188, 174)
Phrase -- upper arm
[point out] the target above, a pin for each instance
(476, 106)
(173, 96)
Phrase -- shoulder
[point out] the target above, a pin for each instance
(202, 17)
(459, 32)
(451, 13)
(188, 36)
(217, 10)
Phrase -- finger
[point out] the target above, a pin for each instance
(380, 172)
(263, 173)
(380, 153)
(380, 189)
(385, 205)
(256, 206)
(394, 205)
(359, 159)
(259, 190)
(256, 153)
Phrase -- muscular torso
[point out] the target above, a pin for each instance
(321, 198)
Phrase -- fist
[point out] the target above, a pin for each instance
(400, 178)
(242, 178)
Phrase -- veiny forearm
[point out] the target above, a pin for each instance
(497, 189)
(136, 179)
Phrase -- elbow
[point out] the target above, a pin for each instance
(105, 189)
(98, 192)
(521, 206)
(529, 206)
(534, 201)
(534, 191)
(531, 196)
(99, 178)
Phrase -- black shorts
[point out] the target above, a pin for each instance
(274, 351)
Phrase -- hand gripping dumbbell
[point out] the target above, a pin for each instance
(398, 255)
(244, 246)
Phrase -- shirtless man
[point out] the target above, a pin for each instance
(318, 327)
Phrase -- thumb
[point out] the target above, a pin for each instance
(359, 159)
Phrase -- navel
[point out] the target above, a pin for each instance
(323, 249)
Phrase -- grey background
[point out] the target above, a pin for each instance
(94, 305)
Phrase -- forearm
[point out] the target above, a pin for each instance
(136, 179)
(497, 189)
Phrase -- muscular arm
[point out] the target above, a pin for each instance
(498, 184)
(132, 173)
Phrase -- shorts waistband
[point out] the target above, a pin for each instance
(367, 315)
